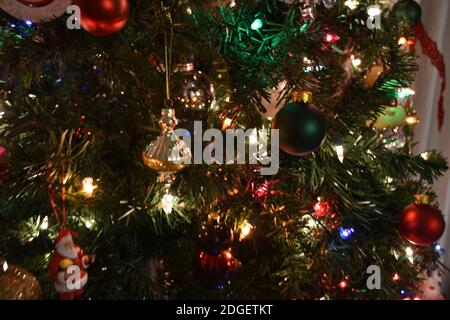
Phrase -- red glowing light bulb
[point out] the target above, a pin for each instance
(343, 284)
(331, 37)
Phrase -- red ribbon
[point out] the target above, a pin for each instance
(63, 197)
(430, 49)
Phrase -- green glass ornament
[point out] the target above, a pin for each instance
(409, 10)
(391, 117)
(302, 128)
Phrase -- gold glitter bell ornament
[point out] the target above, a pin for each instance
(18, 284)
(168, 154)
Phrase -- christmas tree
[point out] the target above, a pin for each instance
(87, 133)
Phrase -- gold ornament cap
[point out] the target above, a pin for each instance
(301, 96)
(168, 121)
(422, 199)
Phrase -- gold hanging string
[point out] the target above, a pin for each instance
(168, 40)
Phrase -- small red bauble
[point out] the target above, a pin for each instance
(103, 17)
(421, 224)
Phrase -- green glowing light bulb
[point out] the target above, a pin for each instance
(257, 24)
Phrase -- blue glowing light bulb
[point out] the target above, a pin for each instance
(439, 248)
(346, 233)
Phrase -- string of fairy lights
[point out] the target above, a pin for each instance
(393, 139)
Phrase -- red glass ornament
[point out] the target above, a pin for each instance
(224, 261)
(103, 17)
(421, 224)
(215, 271)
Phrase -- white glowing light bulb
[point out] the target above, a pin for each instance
(89, 223)
(411, 120)
(88, 186)
(311, 223)
(356, 62)
(374, 11)
(405, 92)
(227, 123)
(44, 224)
(246, 229)
(5, 266)
(167, 202)
(340, 152)
(425, 155)
(351, 4)
(410, 254)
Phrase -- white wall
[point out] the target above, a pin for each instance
(436, 18)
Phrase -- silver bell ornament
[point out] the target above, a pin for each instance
(195, 92)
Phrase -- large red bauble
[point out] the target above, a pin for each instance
(421, 224)
(103, 17)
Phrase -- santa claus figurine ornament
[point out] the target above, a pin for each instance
(35, 10)
(68, 266)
